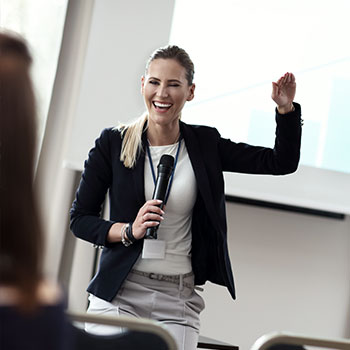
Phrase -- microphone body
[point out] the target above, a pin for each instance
(165, 168)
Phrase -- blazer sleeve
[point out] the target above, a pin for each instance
(86, 222)
(280, 160)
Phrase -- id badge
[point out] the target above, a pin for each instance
(153, 249)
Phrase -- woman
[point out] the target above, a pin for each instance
(31, 309)
(157, 278)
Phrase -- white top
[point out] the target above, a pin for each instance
(175, 229)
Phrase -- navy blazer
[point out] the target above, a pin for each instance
(210, 155)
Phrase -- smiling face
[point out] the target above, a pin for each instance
(165, 90)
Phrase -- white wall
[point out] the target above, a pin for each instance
(292, 273)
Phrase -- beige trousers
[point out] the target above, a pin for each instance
(177, 306)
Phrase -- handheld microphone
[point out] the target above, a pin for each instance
(165, 168)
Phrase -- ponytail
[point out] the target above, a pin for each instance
(132, 140)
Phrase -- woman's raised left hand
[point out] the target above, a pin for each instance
(283, 93)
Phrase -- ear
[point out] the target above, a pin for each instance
(142, 85)
(191, 92)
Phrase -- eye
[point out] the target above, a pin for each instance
(154, 82)
(174, 85)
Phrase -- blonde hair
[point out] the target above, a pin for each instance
(132, 140)
(132, 133)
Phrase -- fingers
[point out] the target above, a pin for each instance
(287, 78)
(292, 78)
(283, 92)
(279, 81)
(149, 215)
(275, 90)
(153, 206)
(282, 80)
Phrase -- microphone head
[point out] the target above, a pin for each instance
(167, 160)
(166, 164)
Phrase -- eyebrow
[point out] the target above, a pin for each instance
(170, 80)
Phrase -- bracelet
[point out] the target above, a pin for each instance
(123, 233)
(129, 234)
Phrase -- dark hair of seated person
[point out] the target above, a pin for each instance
(21, 237)
(31, 308)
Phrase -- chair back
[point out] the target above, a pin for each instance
(290, 341)
(136, 334)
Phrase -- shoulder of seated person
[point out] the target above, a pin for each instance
(48, 293)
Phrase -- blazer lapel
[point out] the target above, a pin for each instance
(138, 174)
(196, 158)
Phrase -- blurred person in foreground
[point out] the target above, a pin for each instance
(31, 308)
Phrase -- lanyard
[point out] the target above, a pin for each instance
(172, 173)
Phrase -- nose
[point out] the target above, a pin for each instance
(162, 91)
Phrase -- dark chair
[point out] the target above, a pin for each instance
(137, 334)
(209, 343)
(290, 341)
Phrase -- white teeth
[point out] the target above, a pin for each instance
(162, 105)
